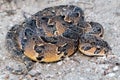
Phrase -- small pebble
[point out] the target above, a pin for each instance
(49, 65)
(76, 1)
(119, 76)
(104, 66)
(116, 68)
(73, 76)
(49, 75)
(67, 58)
(88, 70)
(60, 63)
(72, 69)
(111, 75)
(33, 73)
(59, 73)
(24, 79)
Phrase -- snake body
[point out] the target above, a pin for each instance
(55, 33)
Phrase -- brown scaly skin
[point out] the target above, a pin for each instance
(53, 34)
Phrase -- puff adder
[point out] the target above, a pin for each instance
(55, 33)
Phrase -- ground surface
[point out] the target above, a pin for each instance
(77, 67)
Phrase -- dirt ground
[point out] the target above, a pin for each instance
(77, 67)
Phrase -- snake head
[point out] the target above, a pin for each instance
(74, 16)
(93, 46)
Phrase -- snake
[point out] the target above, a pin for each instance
(55, 33)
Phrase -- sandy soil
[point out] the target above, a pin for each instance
(77, 67)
